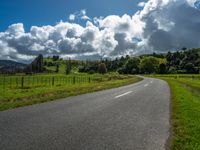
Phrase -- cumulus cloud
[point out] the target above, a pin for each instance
(160, 26)
(170, 24)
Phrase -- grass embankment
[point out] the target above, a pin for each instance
(185, 112)
(16, 96)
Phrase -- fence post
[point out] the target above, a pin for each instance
(89, 79)
(17, 82)
(4, 84)
(53, 81)
(22, 82)
(10, 82)
(74, 80)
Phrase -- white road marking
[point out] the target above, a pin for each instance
(123, 94)
(146, 85)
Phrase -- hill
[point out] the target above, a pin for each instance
(9, 66)
(57, 64)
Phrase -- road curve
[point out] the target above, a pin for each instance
(133, 117)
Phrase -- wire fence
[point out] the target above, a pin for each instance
(23, 82)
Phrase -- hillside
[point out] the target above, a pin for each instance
(56, 64)
(10, 66)
(11, 63)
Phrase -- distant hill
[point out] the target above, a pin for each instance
(11, 63)
(7, 66)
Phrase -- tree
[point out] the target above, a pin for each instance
(68, 67)
(37, 66)
(40, 63)
(102, 68)
(149, 65)
(57, 68)
(169, 56)
(132, 66)
(184, 48)
(172, 70)
(162, 68)
(55, 58)
(190, 68)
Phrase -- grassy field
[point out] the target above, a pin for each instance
(185, 117)
(16, 91)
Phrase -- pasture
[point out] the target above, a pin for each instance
(21, 90)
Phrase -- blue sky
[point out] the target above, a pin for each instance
(32, 27)
(48, 12)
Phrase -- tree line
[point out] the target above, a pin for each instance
(182, 62)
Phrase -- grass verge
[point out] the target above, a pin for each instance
(185, 113)
(23, 97)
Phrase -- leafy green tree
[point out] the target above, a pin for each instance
(190, 68)
(102, 68)
(149, 65)
(132, 66)
(172, 70)
(162, 68)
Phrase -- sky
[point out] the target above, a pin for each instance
(48, 12)
(93, 29)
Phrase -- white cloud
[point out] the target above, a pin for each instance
(79, 15)
(161, 25)
(16, 29)
(83, 12)
(170, 24)
(141, 4)
(85, 17)
(72, 17)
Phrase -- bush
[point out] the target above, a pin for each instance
(121, 71)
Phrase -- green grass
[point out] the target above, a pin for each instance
(14, 96)
(185, 117)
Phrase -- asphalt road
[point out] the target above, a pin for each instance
(133, 117)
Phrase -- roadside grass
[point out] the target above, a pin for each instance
(191, 84)
(185, 116)
(17, 97)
